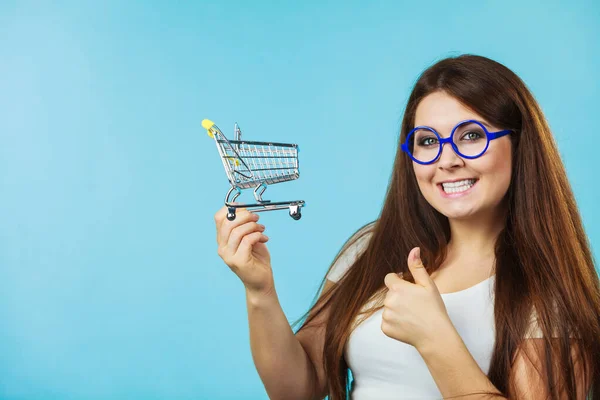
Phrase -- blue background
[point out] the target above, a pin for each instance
(110, 284)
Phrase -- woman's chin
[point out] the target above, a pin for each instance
(458, 213)
(459, 217)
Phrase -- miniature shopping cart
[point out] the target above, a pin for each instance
(256, 165)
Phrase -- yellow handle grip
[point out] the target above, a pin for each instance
(207, 124)
(233, 160)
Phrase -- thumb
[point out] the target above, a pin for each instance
(417, 269)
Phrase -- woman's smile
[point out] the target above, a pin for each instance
(458, 188)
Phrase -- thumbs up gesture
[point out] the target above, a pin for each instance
(414, 313)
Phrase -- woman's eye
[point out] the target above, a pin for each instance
(472, 135)
(428, 141)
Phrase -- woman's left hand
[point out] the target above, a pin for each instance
(414, 313)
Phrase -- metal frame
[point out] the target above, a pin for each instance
(441, 141)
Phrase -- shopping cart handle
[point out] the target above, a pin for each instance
(207, 124)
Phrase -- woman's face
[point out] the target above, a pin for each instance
(491, 171)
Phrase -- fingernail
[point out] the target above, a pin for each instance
(417, 254)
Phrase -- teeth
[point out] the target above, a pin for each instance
(457, 187)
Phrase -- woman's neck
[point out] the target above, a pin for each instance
(475, 239)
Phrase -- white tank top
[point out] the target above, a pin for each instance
(385, 368)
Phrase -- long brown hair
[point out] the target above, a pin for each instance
(543, 258)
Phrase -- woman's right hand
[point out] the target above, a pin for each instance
(242, 247)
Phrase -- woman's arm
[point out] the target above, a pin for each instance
(453, 368)
(282, 363)
(530, 371)
(457, 374)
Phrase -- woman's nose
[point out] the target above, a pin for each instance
(449, 159)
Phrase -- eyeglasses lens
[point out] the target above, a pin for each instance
(470, 140)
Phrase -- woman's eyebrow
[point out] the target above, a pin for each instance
(479, 120)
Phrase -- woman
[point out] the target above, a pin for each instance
(475, 281)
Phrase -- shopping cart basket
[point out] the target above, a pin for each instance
(256, 165)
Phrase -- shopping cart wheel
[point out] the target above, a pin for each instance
(295, 212)
(231, 213)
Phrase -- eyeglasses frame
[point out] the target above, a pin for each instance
(490, 136)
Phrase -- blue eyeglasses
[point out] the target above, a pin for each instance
(469, 139)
